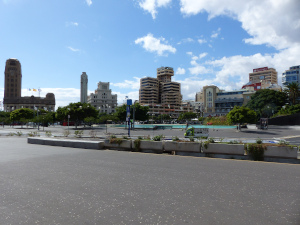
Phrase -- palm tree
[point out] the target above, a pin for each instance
(293, 91)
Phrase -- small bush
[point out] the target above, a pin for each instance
(258, 141)
(93, 134)
(125, 137)
(113, 136)
(234, 142)
(283, 142)
(33, 134)
(140, 138)
(256, 151)
(48, 133)
(192, 139)
(175, 138)
(11, 134)
(137, 144)
(211, 140)
(66, 133)
(19, 133)
(157, 138)
(78, 133)
(115, 141)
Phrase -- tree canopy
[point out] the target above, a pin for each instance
(19, 114)
(266, 101)
(293, 91)
(241, 114)
(187, 116)
(141, 112)
(77, 111)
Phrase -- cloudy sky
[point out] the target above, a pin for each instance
(120, 41)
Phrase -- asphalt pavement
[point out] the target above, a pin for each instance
(56, 185)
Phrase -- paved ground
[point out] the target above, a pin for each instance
(291, 134)
(55, 185)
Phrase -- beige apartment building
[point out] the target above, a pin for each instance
(161, 94)
(263, 74)
(12, 91)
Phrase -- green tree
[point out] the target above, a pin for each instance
(77, 111)
(293, 91)
(263, 98)
(141, 112)
(23, 113)
(4, 117)
(187, 116)
(241, 114)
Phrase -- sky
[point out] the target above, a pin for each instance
(121, 41)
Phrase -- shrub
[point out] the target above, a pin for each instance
(210, 140)
(19, 133)
(157, 138)
(125, 137)
(48, 133)
(283, 142)
(233, 142)
(78, 133)
(192, 139)
(256, 151)
(258, 141)
(11, 134)
(93, 134)
(140, 138)
(33, 134)
(137, 144)
(175, 138)
(66, 133)
(115, 140)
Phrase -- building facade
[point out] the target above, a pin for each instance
(83, 87)
(103, 99)
(291, 75)
(12, 91)
(264, 73)
(161, 94)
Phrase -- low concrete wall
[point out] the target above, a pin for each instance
(67, 143)
(151, 145)
(182, 146)
(226, 149)
(281, 152)
(124, 145)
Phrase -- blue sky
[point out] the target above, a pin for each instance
(120, 41)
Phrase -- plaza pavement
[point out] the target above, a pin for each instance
(274, 133)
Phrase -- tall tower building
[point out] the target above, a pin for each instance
(13, 79)
(291, 75)
(12, 91)
(83, 87)
(160, 90)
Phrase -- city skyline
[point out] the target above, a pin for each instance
(206, 42)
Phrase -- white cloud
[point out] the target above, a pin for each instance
(186, 40)
(157, 45)
(202, 41)
(135, 85)
(152, 5)
(75, 24)
(202, 55)
(257, 18)
(89, 2)
(180, 71)
(73, 49)
(216, 33)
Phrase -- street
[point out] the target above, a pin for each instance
(56, 185)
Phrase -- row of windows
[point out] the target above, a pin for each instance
(291, 72)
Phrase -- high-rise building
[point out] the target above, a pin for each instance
(103, 99)
(160, 90)
(291, 75)
(13, 79)
(83, 87)
(264, 73)
(149, 90)
(12, 91)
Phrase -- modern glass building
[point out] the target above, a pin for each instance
(291, 75)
